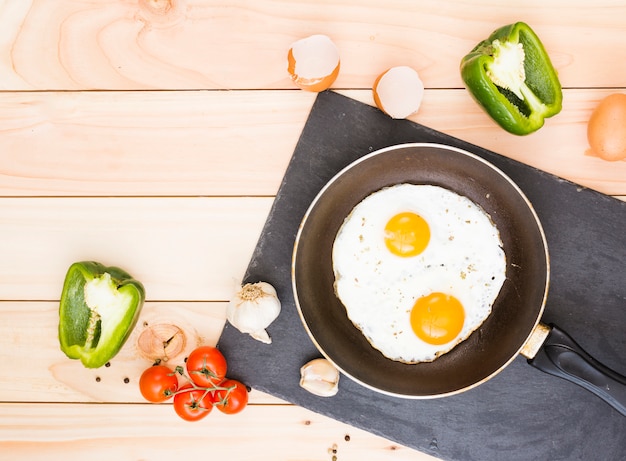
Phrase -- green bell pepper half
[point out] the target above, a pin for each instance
(511, 77)
(99, 307)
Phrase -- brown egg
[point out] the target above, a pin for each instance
(606, 130)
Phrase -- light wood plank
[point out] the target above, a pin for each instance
(560, 147)
(193, 248)
(175, 186)
(49, 376)
(197, 44)
(148, 143)
(30, 329)
(239, 142)
(132, 431)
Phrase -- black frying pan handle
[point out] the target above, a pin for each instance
(561, 356)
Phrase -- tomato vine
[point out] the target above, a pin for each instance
(204, 385)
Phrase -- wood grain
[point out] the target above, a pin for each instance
(195, 44)
(49, 376)
(238, 142)
(148, 143)
(181, 248)
(118, 143)
(147, 431)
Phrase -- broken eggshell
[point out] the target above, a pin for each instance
(398, 92)
(313, 63)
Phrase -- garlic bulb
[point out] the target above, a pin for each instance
(253, 308)
(320, 377)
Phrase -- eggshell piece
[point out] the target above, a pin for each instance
(398, 92)
(313, 63)
(606, 129)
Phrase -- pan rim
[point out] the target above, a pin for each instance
(418, 145)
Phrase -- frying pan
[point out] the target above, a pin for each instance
(514, 325)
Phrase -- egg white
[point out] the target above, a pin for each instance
(464, 258)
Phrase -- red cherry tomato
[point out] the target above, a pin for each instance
(192, 404)
(206, 366)
(233, 398)
(158, 383)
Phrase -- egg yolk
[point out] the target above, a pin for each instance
(437, 318)
(407, 234)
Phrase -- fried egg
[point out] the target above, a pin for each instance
(418, 268)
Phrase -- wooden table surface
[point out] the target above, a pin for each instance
(153, 135)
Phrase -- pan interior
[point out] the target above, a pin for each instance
(514, 314)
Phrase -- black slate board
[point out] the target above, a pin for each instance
(520, 414)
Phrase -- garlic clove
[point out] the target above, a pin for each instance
(320, 388)
(261, 335)
(320, 377)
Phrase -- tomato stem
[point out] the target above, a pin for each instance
(208, 389)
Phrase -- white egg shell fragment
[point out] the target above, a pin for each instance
(313, 63)
(320, 377)
(399, 92)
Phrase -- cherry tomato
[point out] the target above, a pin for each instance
(158, 383)
(233, 398)
(206, 366)
(192, 404)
